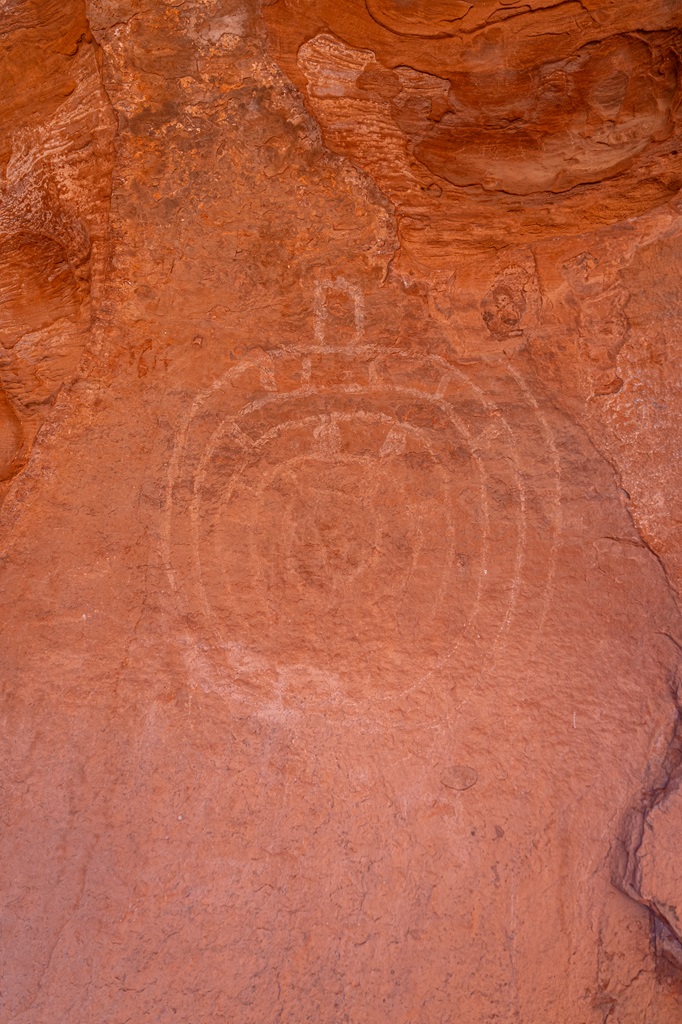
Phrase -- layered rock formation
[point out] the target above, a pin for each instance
(341, 558)
(56, 157)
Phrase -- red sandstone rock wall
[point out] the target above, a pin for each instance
(340, 548)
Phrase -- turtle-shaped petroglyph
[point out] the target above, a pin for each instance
(346, 520)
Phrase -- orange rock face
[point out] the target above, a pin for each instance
(341, 563)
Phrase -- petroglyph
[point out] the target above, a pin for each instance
(392, 513)
(325, 292)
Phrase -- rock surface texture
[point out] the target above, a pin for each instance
(341, 555)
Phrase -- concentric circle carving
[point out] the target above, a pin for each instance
(344, 524)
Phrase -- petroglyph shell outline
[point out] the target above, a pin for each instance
(305, 390)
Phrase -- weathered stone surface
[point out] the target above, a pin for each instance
(340, 553)
(56, 153)
(572, 107)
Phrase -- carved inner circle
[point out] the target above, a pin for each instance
(368, 545)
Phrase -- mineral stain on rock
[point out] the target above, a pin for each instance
(459, 776)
